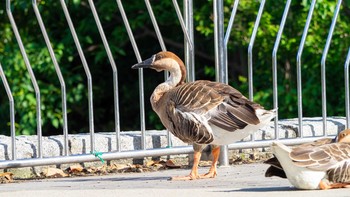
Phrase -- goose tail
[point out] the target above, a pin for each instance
(265, 116)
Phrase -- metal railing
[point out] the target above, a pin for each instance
(221, 38)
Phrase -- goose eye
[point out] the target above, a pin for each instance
(343, 135)
(158, 57)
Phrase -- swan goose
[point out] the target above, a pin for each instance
(202, 112)
(322, 164)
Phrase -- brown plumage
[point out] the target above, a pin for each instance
(331, 156)
(202, 112)
(276, 169)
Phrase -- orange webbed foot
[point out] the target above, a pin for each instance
(191, 176)
(210, 174)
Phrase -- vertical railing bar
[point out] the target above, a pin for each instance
(299, 80)
(163, 47)
(274, 64)
(115, 74)
(347, 90)
(87, 72)
(220, 60)
(182, 23)
(31, 74)
(323, 68)
(141, 85)
(12, 113)
(189, 51)
(250, 49)
(228, 31)
(220, 67)
(59, 74)
(230, 22)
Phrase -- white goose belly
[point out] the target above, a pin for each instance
(303, 178)
(224, 137)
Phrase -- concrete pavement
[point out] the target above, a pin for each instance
(236, 180)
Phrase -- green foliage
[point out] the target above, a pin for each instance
(75, 78)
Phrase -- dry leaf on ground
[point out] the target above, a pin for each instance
(170, 164)
(6, 177)
(75, 169)
(54, 173)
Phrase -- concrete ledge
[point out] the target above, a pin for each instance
(131, 140)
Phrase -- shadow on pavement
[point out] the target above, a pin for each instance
(263, 189)
(116, 179)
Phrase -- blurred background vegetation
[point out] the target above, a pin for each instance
(73, 72)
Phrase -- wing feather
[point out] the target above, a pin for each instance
(322, 157)
(191, 107)
(225, 107)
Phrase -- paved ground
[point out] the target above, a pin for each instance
(238, 180)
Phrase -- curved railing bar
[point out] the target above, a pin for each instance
(250, 49)
(115, 74)
(163, 47)
(182, 23)
(299, 80)
(323, 68)
(87, 72)
(31, 74)
(141, 85)
(155, 25)
(156, 28)
(250, 52)
(274, 64)
(12, 113)
(230, 22)
(59, 75)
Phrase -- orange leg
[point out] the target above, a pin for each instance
(325, 186)
(212, 171)
(194, 172)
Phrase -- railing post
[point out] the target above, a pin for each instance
(115, 74)
(141, 84)
(163, 47)
(274, 64)
(299, 80)
(323, 68)
(59, 75)
(12, 113)
(220, 60)
(189, 51)
(87, 73)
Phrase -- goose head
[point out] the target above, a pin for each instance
(344, 136)
(165, 61)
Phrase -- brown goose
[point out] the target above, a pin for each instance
(202, 112)
(323, 164)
